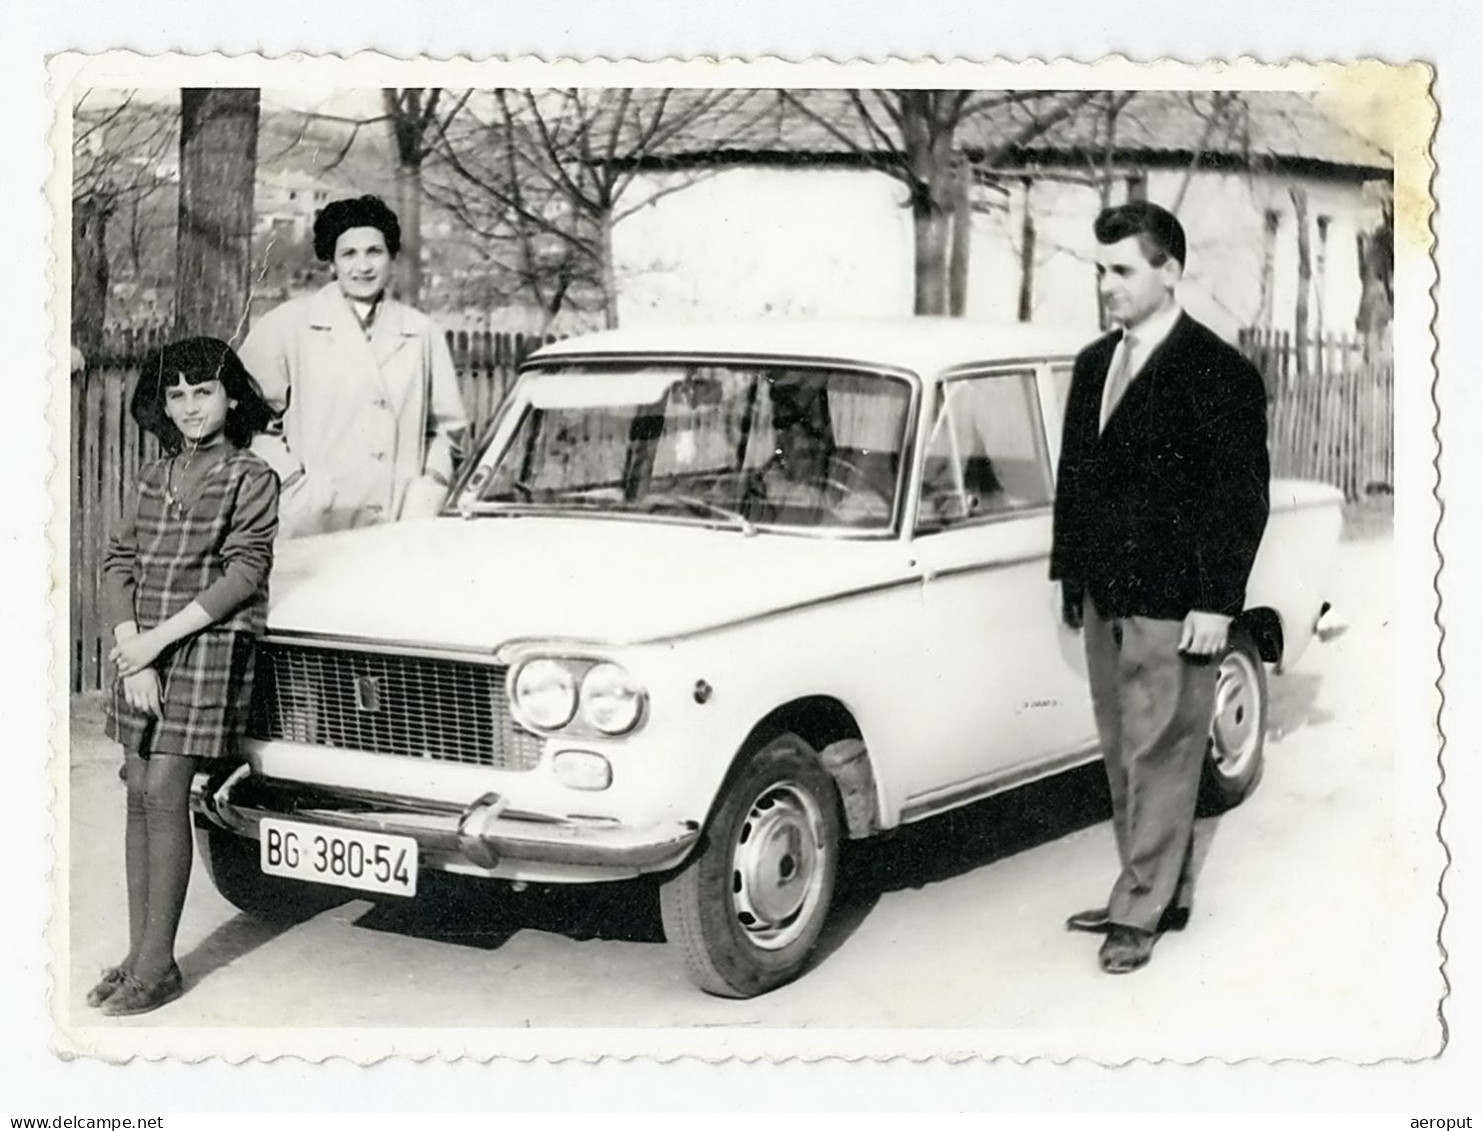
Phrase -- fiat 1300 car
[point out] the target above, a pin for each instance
(705, 604)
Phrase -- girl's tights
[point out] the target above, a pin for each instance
(157, 855)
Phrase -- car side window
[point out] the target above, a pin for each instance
(986, 456)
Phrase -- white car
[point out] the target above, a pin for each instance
(705, 603)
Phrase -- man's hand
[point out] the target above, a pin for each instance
(1204, 634)
(1071, 606)
(136, 653)
(142, 692)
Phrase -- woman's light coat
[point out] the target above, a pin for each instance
(369, 423)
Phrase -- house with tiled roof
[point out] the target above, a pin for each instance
(791, 208)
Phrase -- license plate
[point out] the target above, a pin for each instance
(348, 858)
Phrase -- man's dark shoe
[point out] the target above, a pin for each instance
(1095, 921)
(135, 996)
(1125, 949)
(1174, 919)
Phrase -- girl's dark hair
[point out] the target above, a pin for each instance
(194, 361)
(339, 216)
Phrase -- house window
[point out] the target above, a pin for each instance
(1271, 222)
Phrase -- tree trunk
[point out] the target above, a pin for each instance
(609, 276)
(218, 163)
(928, 150)
(409, 214)
(930, 225)
(1027, 257)
(1376, 302)
(90, 270)
(1305, 279)
(962, 240)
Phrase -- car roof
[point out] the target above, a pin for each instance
(922, 345)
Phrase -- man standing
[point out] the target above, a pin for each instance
(364, 386)
(1161, 501)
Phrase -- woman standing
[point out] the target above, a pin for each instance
(369, 408)
(186, 580)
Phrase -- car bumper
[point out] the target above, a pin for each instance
(486, 837)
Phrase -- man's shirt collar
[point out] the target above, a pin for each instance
(1154, 330)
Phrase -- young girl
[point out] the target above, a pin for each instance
(186, 580)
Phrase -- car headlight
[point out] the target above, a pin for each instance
(545, 694)
(612, 700)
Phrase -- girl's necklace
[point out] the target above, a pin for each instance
(174, 501)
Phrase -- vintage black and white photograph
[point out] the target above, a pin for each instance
(801, 559)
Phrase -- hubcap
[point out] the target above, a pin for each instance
(777, 872)
(1235, 729)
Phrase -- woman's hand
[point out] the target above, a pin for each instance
(424, 498)
(142, 692)
(136, 653)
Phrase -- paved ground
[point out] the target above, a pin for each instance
(1314, 932)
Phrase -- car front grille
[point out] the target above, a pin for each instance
(413, 706)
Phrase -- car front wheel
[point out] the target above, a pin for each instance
(747, 909)
(1238, 726)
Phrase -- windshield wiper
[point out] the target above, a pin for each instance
(522, 499)
(701, 506)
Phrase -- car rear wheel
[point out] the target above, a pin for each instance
(232, 863)
(1238, 726)
(747, 909)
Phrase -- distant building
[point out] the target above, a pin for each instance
(286, 200)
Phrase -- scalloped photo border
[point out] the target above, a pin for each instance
(1403, 95)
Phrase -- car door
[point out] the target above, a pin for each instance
(998, 664)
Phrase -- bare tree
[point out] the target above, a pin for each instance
(545, 176)
(913, 136)
(90, 269)
(218, 163)
(1227, 126)
(118, 150)
(1375, 248)
(1110, 135)
(416, 123)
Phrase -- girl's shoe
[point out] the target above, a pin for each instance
(107, 986)
(135, 996)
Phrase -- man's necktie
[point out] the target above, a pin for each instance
(1117, 380)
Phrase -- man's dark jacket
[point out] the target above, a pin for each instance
(1163, 511)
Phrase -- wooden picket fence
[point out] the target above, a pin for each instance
(108, 449)
(1331, 406)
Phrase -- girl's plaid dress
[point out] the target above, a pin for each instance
(169, 556)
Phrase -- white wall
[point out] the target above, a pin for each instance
(1064, 278)
(751, 242)
(1223, 214)
(745, 243)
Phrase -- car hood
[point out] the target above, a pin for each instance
(481, 582)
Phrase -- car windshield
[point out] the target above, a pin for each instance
(744, 445)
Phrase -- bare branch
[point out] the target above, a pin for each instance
(339, 158)
(1042, 124)
(886, 100)
(554, 150)
(874, 158)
